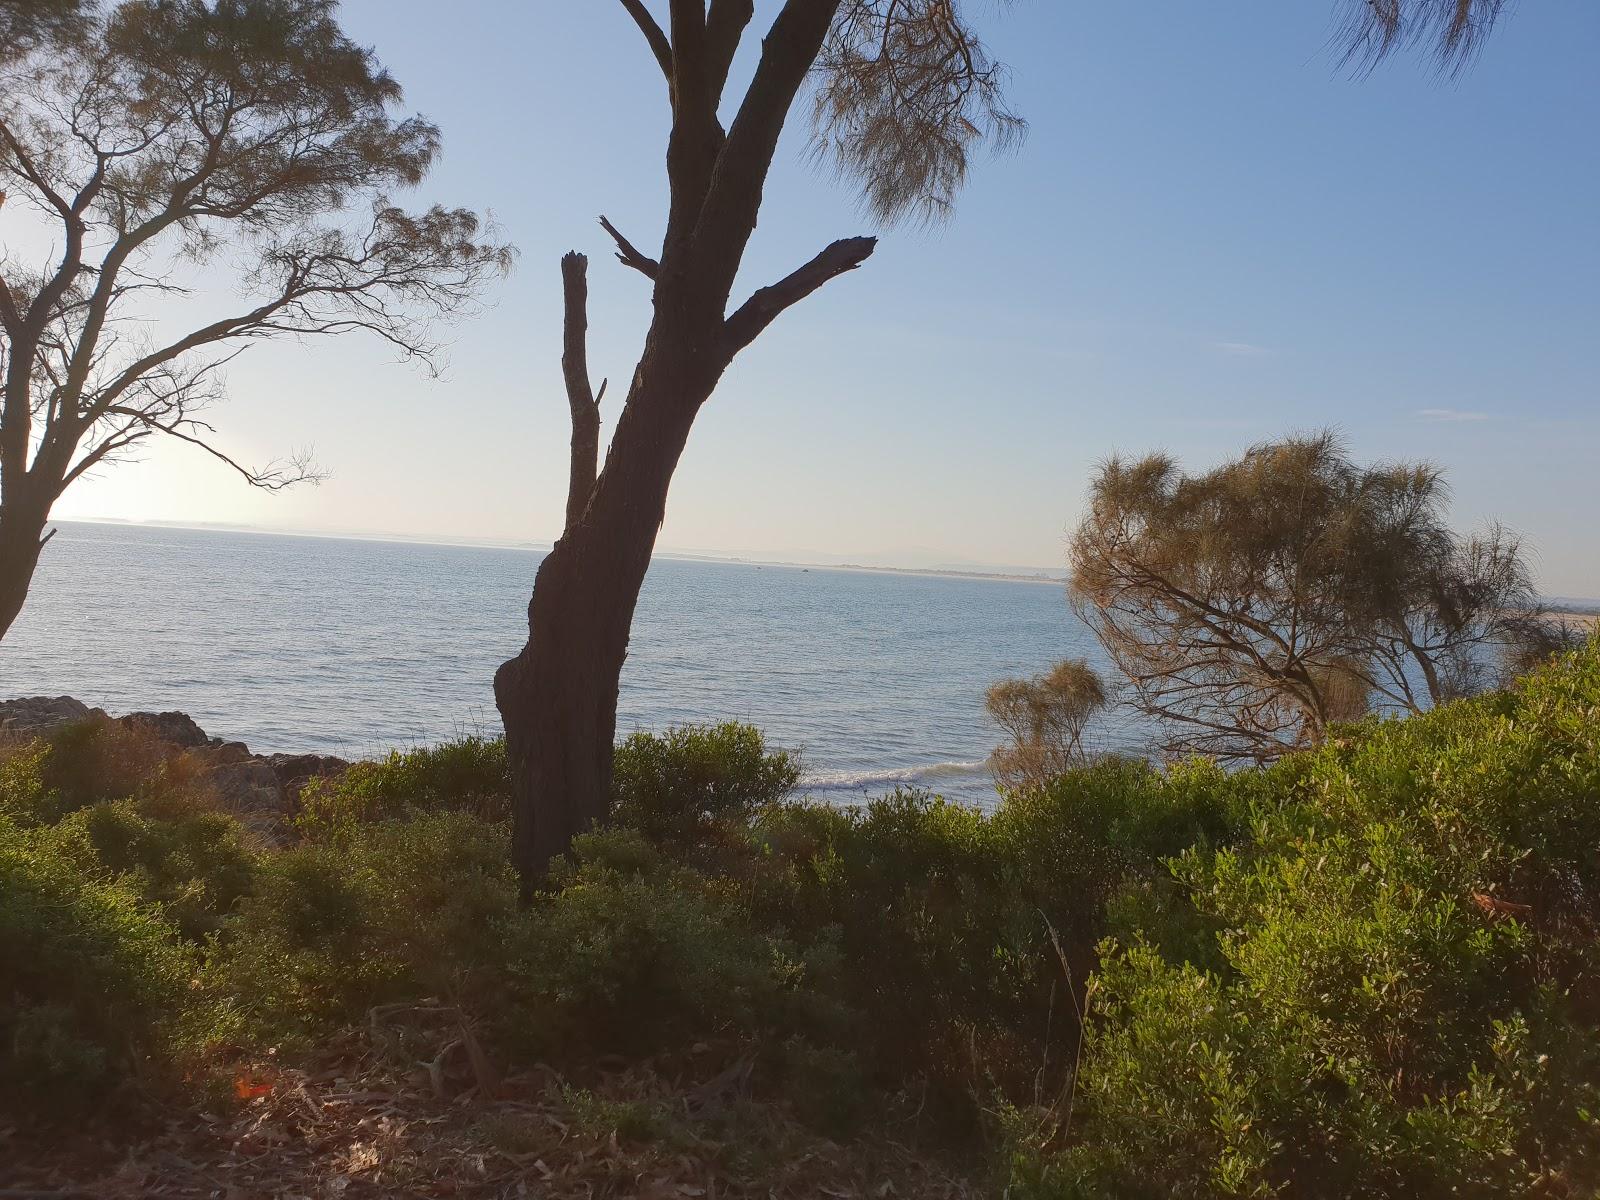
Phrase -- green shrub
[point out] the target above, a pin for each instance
(396, 911)
(101, 759)
(1405, 983)
(192, 862)
(95, 983)
(1089, 849)
(826, 1085)
(602, 1117)
(25, 797)
(468, 776)
(674, 785)
(629, 960)
(161, 832)
(961, 940)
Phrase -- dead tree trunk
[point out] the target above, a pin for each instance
(581, 399)
(558, 697)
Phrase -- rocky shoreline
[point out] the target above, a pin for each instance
(262, 790)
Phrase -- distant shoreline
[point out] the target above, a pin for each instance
(1579, 611)
(544, 548)
(1578, 616)
(924, 572)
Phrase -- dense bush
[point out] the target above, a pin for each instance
(469, 775)
(93, 760)
(1407, 981)
(961, 937)
(95, 981)
(678, 784)
(194, 863)
(101, 759)
(1371, 969)
(125, 805)
(396, 910)
(626, 953)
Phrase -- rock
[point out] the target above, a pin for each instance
(229, 752)
(33, 716)
(294, 771)
(262, 791)
(175, 728)
(249, 789)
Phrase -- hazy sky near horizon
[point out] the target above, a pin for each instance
(1213, 235)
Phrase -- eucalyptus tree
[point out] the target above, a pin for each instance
(158, 138)
(901, 94)
(1254, 605)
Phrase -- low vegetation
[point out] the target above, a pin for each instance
(1368, 969)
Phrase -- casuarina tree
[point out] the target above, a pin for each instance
(901, 94)
(166, 137)
(1252, 606)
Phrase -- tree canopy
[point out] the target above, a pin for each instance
(170, 135)
(1253, 605)
(1046, 717)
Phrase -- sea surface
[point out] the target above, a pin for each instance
(352, 647)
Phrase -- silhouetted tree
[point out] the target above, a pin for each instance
(1046, 717)
(173, 132)
(902, 93)
(1252, 606)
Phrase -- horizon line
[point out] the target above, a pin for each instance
(1021, 573)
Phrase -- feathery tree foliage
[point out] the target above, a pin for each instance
(1254, 605)
(1452, 31)
(903, 94)
(166, 134)
(26, 24)
(1046, 717)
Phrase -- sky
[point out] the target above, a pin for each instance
(1213, 235)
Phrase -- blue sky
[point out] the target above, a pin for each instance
(1212, 236)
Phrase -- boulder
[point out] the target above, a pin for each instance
(34, 716)
(174, 728)
(228, 752)
(249, 789)
(294, 771)
(263, 791)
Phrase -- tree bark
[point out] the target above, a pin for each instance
(558, 697)
(22, 537)
(585, 405)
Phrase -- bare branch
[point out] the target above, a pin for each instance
(763, 307)
(725, 25)
(298, 468)
(659, 46)
(581, 400)
(727, 218)
(274, 477)
(628, 254)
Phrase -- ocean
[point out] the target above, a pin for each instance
(354, 647)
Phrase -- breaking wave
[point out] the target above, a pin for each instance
(929, 776)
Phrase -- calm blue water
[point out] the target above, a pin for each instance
(353, 647)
